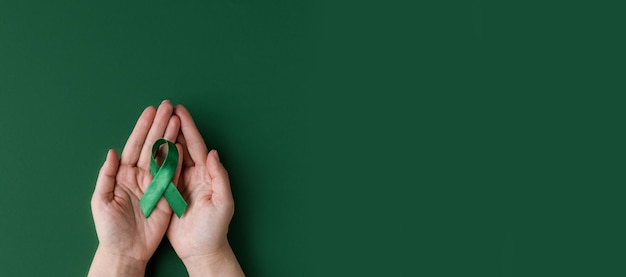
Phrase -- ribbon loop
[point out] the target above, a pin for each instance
(161, 184)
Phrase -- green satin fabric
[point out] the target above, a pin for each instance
(162, 182)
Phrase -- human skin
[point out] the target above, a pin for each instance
(127, 239)
(199, 237)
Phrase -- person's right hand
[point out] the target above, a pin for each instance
(199, 236)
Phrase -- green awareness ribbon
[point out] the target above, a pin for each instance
(162, 181)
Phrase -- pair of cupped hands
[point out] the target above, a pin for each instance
(127, 239)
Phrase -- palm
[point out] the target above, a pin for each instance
(126, 220)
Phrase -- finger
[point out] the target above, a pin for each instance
(173, 128)
(195, 144)
(105, 183)
(161, 120)
(219, 176)
(132, 149)
(187, 161)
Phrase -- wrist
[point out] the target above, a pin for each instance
(220, 263)
(110, 264)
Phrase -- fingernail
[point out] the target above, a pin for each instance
(216, 154)
(166, 100)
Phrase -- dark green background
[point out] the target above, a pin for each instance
(464, 138)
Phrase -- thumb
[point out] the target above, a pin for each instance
(219, 176)
(106, 178)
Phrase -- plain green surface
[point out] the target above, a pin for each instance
(462, 138)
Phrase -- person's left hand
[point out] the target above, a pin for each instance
(124, 233)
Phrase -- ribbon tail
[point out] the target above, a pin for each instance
(176, 201)
(148, 202)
